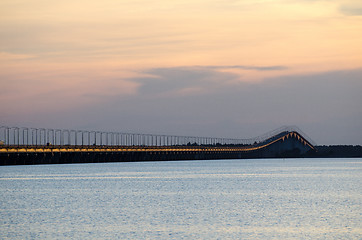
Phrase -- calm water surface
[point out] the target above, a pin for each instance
(223, 199)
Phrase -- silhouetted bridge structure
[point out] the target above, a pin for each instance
(19, 145)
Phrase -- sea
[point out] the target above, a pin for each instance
(209, 199)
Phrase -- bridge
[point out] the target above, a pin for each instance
(21, 145)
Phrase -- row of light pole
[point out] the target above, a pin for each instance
(43, 136)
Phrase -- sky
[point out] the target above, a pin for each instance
(213, 68)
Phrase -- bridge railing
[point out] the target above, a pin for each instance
(20, 136)
(283, 129)
(305, 136)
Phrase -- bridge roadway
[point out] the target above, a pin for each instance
(274, 146)
(182, 148)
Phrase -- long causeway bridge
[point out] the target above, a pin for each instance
(20, 145)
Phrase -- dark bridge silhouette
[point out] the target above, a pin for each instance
(19, 145)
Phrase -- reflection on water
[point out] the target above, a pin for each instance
(223, 199)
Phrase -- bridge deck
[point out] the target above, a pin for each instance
(182, 148)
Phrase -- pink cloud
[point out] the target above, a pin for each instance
(28, 87)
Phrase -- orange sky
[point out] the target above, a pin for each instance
(64, 54)
(303, 35)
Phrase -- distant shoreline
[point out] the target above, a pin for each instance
(336, 151)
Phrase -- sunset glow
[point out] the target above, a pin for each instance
(68, 60)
